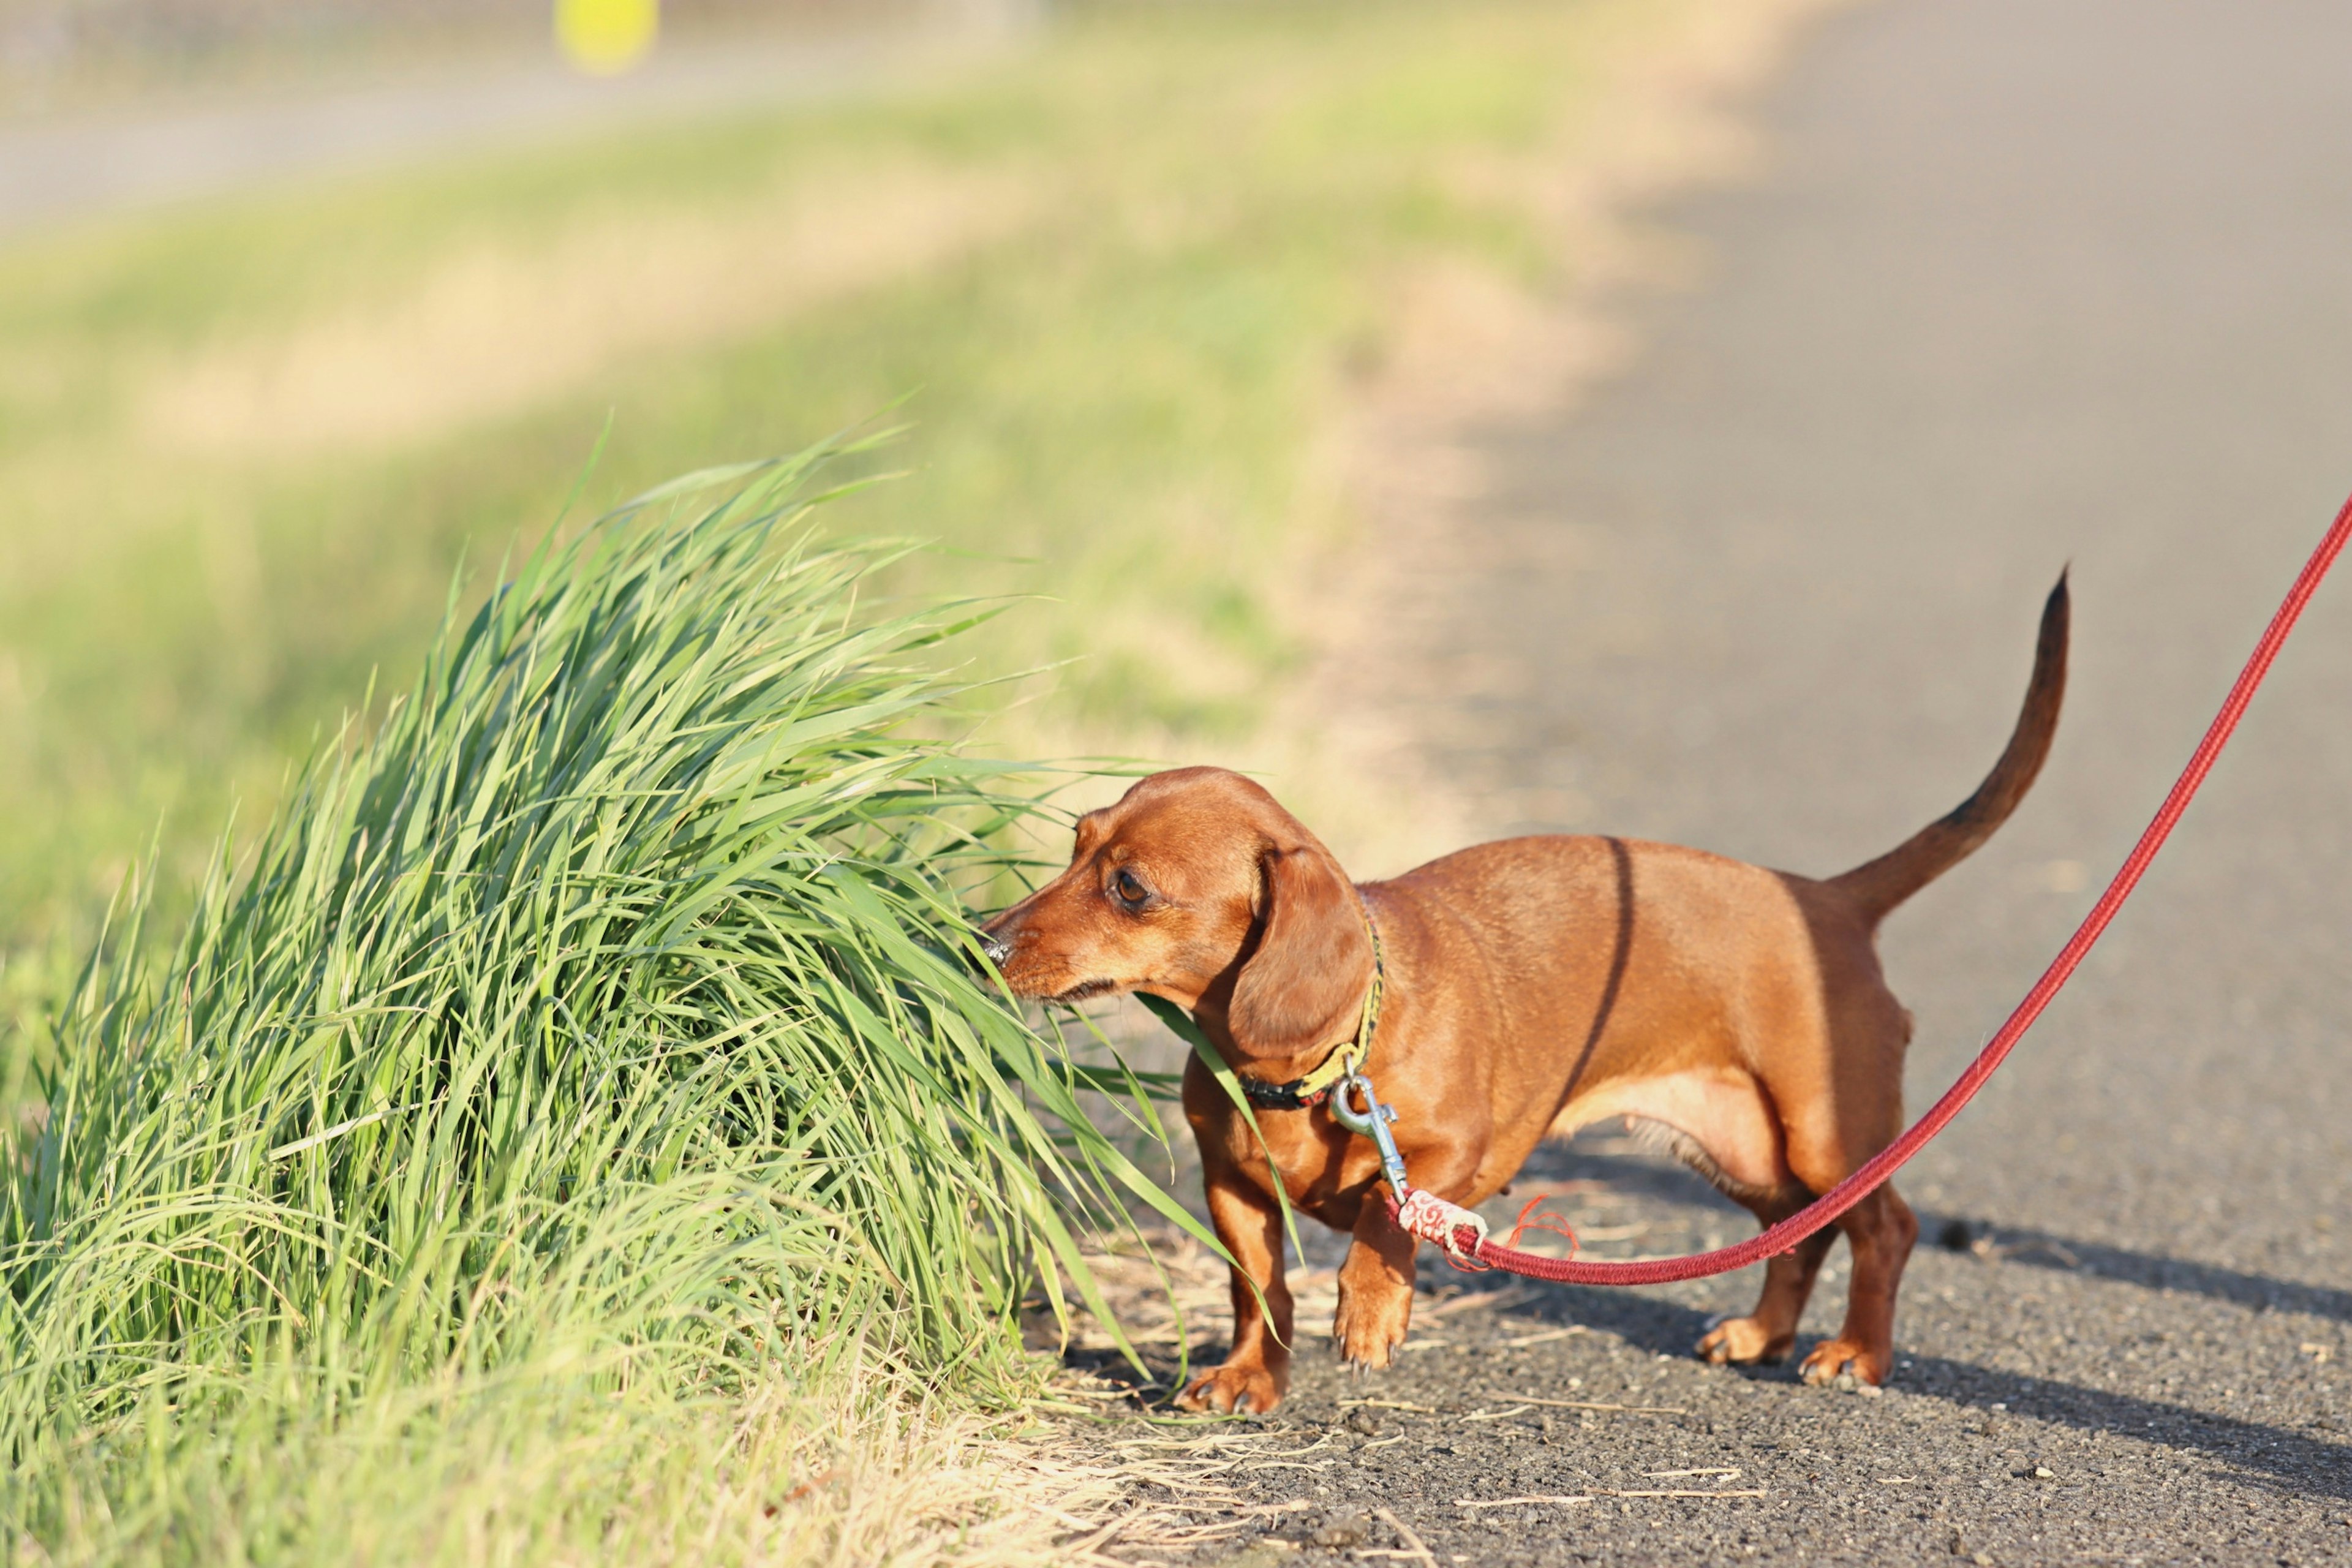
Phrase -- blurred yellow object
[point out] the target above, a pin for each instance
(606, 38)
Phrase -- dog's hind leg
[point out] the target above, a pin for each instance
(1766, 1188)
(1881, 1229)
(1770, 1332)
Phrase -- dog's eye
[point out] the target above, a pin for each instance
(1130, 888)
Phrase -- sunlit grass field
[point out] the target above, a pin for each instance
(1121, 289)
(1117, 284)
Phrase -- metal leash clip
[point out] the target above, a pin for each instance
(1372, 1122)
(1422, 1214)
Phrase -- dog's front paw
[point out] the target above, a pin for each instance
(1832, 1358)
(1371, 1326)
(1744, 1340)
(1234, 1387)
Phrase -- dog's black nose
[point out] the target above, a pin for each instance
(997, 949)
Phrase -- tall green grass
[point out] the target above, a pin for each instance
(604, 1004)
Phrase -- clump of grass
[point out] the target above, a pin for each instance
(605, 1014)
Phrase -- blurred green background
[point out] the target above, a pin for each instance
(1119, 267)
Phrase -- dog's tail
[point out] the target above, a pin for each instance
(1877, 887)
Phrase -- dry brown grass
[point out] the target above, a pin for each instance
(965, 1491)
(500, 327)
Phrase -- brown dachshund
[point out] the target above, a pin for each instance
(1531, 987)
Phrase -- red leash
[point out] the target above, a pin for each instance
(1463, 1236)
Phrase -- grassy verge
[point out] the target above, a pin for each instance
(591, 1059)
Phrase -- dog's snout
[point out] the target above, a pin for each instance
(1000, 934)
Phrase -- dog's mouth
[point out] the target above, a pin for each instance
(1083, 990)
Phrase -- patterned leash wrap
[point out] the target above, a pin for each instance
(1462, 1234)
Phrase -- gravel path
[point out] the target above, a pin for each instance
(2026, 282)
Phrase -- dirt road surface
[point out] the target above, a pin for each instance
(2023, 284)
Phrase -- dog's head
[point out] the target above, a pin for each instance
(1197, 886)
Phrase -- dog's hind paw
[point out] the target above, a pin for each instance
(1743, 1340)
(1832, 1358)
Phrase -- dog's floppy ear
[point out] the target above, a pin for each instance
(1301, 986)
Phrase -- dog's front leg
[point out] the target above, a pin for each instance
(1376, 1282)
(1375, 1289)
(1257, 1372)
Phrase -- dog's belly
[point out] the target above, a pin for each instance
(1719, 1121)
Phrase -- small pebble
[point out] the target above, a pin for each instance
(1341, 1533)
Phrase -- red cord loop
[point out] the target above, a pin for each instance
(1826, 1208)
(1547, 1220)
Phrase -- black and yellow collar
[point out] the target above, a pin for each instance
(1302, 1093)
